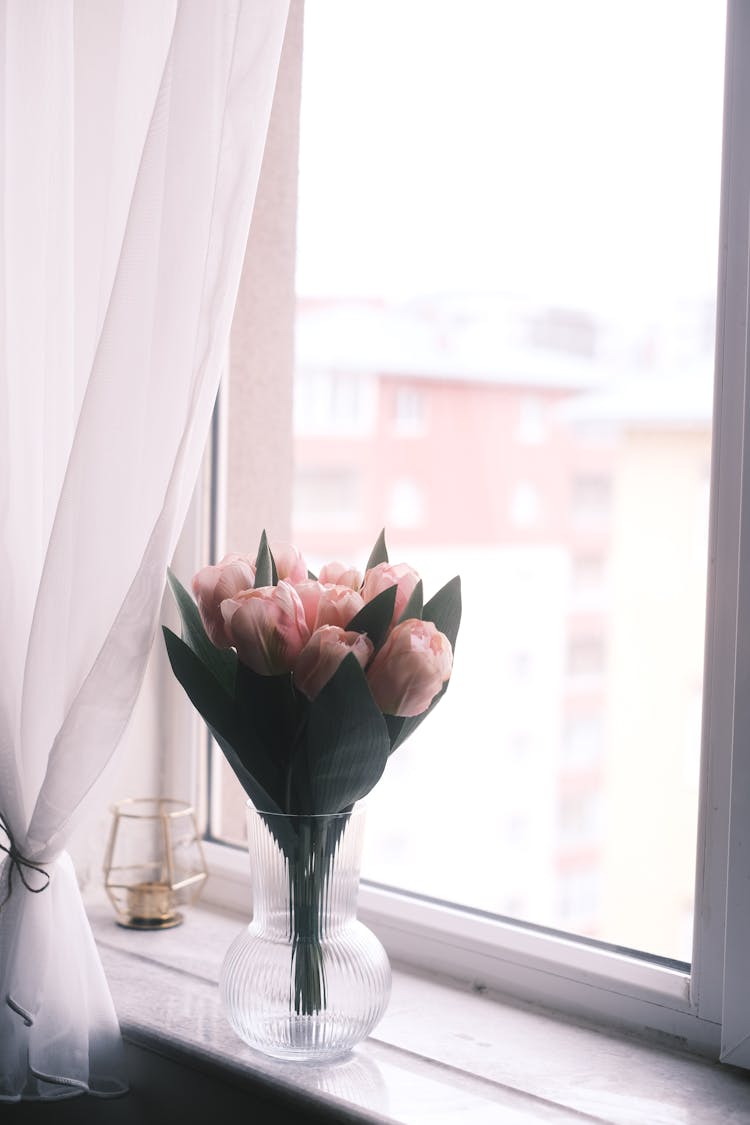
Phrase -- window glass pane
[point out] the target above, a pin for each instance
(507, 252)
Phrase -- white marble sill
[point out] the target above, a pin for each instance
(441, 1054)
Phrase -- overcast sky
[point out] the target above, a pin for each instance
(568, 148)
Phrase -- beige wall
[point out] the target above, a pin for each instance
(258, 395)
(258, 407)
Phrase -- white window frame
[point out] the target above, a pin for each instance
(708, 1008)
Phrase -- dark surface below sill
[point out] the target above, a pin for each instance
(176, 1088)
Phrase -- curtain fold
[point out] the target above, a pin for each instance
(131, 138)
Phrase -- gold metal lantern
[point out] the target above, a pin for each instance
(154, 862)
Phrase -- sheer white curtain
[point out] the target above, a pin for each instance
(131, 137)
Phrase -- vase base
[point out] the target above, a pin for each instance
(302, 1039)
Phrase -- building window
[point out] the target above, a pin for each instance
(579, 820)
(334, 402)
(564, 330)
(591, 500)
(327, 497)
(409, 412)
(587, 578)
(586, 656)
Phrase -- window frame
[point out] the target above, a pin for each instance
(705, 1007)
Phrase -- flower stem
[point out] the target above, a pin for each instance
(310, 871)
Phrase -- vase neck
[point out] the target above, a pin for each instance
(305, 872)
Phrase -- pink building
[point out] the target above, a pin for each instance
(460, 451)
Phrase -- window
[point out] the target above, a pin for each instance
(333, 402)
(409, 411)
(588, 578)
(580, 819)
(586, 655)
(591, 500)
(327, 496)
(612, 499)
(567, 330)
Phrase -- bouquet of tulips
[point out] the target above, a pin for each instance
(308, 684)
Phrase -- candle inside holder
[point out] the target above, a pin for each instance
(150, 903)
(154, 862)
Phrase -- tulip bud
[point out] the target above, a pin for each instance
(328, 604)
(289, 563)
(324, 652)
(337, 574)
(410, 668)
(213, 584)
(267, 627)
(384, 575)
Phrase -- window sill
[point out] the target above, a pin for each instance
(440, 1053)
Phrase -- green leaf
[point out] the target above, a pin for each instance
(399, 729)
(267, 705)
(444, 610)
(284, 830)
(265, 567)
(229, 723)
(262, 800)
(221, 662)
(347, 742)
(413, 607)
(395, 725)
(379, 553)
(206, 694)
(375, 617)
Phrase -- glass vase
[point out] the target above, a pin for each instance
(305, 980)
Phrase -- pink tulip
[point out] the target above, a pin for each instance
(410, 668)
(384, 575)
(289, 563)
(309, 593)
(267, 627)
(324, 652)
(327, 604)
(338, 605)
(212, 584)
(337, 574)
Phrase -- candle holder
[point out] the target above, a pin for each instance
(154, 862)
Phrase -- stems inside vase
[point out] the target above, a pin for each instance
(309, 871)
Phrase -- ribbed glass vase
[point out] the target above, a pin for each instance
(305, 980)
